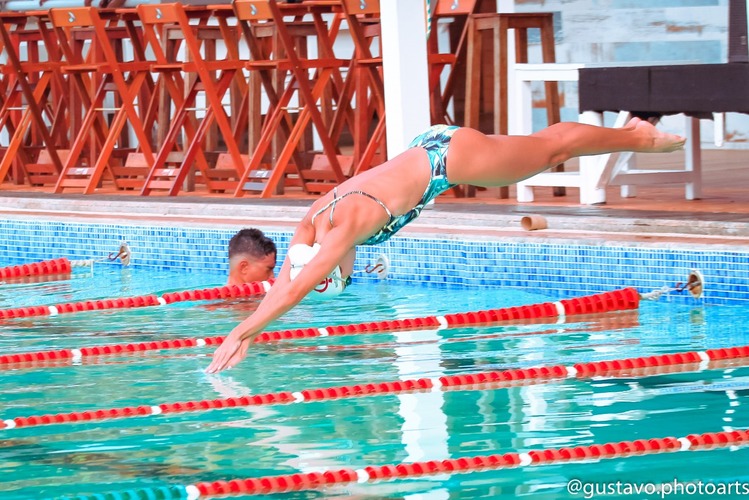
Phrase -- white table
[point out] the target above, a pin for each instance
(598, 172)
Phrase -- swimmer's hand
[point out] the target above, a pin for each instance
(229, 353)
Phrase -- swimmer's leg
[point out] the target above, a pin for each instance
(492, 160)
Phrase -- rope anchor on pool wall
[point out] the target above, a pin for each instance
(123, 254)
(695, 285)
(380, 267)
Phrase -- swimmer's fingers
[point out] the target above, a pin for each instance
(217, 364)
(223, 356)
(240, 354)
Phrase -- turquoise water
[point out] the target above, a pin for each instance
(115, 455)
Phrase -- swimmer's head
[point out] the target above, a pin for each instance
(331, 286)
(252, 257)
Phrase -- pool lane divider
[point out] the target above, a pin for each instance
(223, 292)
(42, 268)
(616, 300)
(701, 360)
(267, 485)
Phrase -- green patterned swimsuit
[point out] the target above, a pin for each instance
(435, 141)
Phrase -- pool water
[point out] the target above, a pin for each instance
(115, 455)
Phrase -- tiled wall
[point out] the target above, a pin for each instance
(564, 269)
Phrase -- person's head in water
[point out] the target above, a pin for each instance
(252, 257)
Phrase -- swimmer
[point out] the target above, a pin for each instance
(252, 257)
(371, 207)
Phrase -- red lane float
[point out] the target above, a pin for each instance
(223, 292)
(86, 305)
(267, 485)
(627, 298)
(629, 366)
(45, 267)
(624, 299)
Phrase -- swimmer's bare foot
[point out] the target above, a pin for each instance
(655, 141)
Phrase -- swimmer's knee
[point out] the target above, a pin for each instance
(553, 144)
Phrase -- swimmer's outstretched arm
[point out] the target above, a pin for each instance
(283, 295)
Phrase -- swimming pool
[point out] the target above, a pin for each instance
(140, 456)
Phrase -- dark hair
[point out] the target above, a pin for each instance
(251, 242)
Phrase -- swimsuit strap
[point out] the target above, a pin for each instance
(337, 198)
(330, 203)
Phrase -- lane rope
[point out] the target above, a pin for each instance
(266, 485)
(691, 359)
(42, 268)
(223, 292)
(616, 300)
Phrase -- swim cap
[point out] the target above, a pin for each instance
(299, 256)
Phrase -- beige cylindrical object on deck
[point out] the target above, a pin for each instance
(533, 222)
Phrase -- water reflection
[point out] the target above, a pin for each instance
(75, 463)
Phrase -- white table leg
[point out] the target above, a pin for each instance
(693, 163)
(521, 123)
(591, 167)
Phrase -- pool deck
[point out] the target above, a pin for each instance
(657, 215)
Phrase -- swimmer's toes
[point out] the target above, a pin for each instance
(676, 142)
(633, 122)
(660, 141)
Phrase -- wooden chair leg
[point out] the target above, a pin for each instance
(551, 89)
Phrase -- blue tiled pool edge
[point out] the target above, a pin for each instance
(560, 269)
